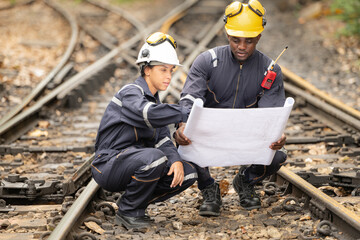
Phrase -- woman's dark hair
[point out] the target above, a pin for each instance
(142, 68)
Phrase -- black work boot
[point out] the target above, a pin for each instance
(248, 197)
(211, 201)
(132, 222)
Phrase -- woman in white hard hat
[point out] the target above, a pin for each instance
(134, 151)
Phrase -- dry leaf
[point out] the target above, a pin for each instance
(44, 124)
(304, 218)
(38, 133)
(95, 227)
(340, 192)
(60, 169)
(224, 187)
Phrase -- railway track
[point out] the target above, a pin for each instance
(320, 136)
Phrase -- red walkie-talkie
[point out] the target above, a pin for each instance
(270, 75)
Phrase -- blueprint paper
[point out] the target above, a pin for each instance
(227, 137)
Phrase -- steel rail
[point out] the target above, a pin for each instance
(315, 91)
(75, 81)
(72, 43)
(343, 218)
(75, 211)
(61, 91)
(165, 27)
(333, 111)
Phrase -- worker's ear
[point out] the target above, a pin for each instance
(258, 38)
(147, 71)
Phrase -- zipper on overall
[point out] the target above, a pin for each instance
(237, 87)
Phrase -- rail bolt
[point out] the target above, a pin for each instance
(45, 235)
(355, 192)
(325, 228)
(13, 178)
(2, 203)
(66, 206)
(106, 208)
(78, 192)
(54, 221)
(291, 206)
(270, 188)
(85, 235)
(93, 219)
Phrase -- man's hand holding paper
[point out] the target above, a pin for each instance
(227, 137)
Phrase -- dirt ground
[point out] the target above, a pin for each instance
(315, 52)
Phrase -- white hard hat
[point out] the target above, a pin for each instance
(163, 53)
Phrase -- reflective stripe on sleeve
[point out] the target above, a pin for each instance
(117, 101)
(155, 163)
(145, 114)
(127, 85)
(188, 96)
(190, 176)
(162, 141)
(214, 58)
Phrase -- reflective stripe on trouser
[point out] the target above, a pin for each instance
(257, 173)
(142, 173)
(163, 190)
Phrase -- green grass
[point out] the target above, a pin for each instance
(349, 12)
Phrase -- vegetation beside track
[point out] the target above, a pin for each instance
(349, 12)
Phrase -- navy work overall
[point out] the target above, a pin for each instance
(220, 81)
(134, 151)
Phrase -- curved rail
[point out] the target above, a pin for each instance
(312, 89)
(333, 111)
(61, 91)
(35, 92)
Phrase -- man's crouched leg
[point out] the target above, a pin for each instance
(211, 200)
(248, 197)
(247, 177)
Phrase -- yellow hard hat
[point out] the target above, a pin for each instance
(244, 20)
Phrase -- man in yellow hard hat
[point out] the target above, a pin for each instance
(231, 76)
